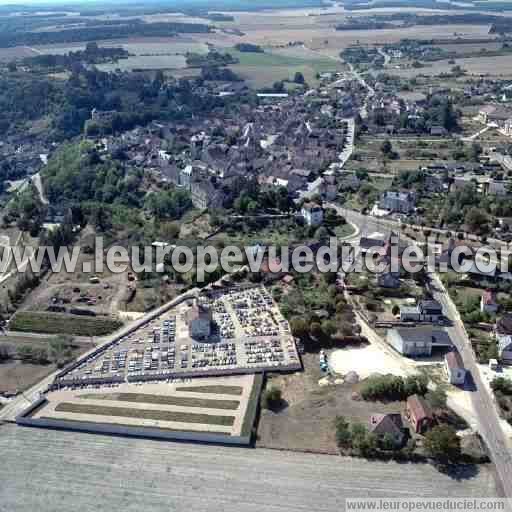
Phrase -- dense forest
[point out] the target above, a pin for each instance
(67, 105)
(93, 33)
(93, 54)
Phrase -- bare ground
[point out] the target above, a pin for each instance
(306, 423)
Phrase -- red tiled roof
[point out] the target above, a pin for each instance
(454, 361)
(489, 297)
(418, 408)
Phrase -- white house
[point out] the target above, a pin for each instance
(425, 311)
(454, 368)
(400, 202)
(418, 341)
(312, 213)
(431, 310)
(410, 314)
(504, 347)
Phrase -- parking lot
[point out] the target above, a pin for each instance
(248, 333)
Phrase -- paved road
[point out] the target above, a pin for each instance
(371, 91)
(488, 418)
(483, 404)
(50, 471)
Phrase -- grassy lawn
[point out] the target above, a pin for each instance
(182, 401)
(61, 323)
(344, 231)
(126, 412)
(217, 389)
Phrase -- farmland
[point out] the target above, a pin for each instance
(153, 53)
(260, 69)
(57, 323)
(492, 66)
(102, 473)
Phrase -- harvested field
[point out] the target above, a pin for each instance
(61, 323)
(136, 46)
(125, 412)
(18, 52)
(181, 401)
(146, 62)
(492, 66)
(51, 471)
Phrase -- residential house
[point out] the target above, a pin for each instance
(496, 114)
(431, 310)
(418, 341)
(312, 214)
(497, 188)
(504, 348)
(504, 324)
(387, 424)
(503, 332)
(454, 368)
(376, 243)
(397, 202)
(425, 311)
(410, 314)
(488, 302)
(419, 414)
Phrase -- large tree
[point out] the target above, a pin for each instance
(442, 444)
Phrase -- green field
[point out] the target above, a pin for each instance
(146, 62)
(263, 69)
(61, 323)
(126, 412)
(217, 389)
(181, 401)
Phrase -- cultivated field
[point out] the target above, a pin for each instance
(62, 323)
(52, 471)
(8, 54)
(263, 69)
(146, 53)
(491, 66)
